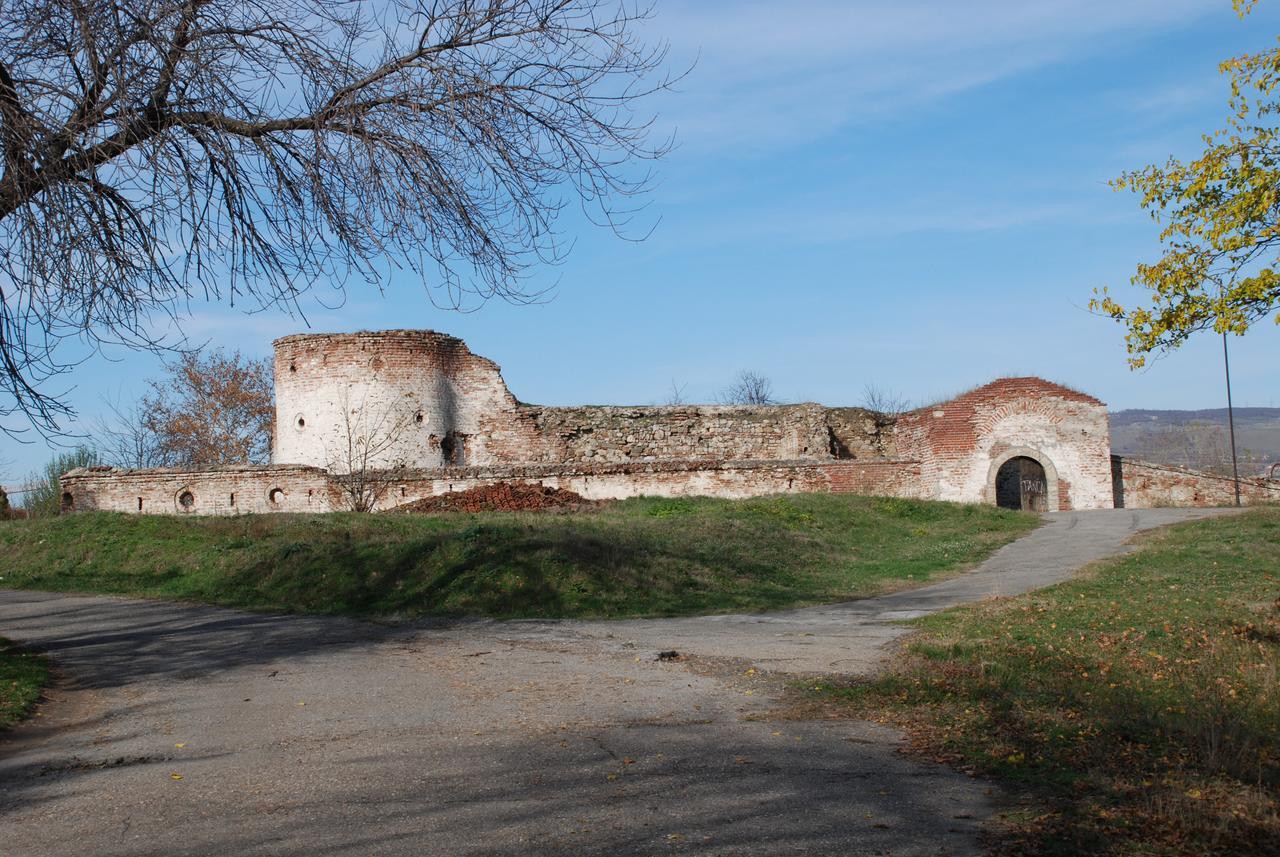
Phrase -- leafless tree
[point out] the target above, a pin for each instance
(676, 396)
(884, 401)
(159, 151)
(123, 439)
(366, 455)
(749, 388)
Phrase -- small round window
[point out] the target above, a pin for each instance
(187, 501)
(300, 422)
(276, 496)
(419, 417)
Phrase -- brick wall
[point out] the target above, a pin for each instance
(423, 404)
(416, 398)
(422, 399)
(224, 491)
(1144, 485)
(237, 490)
(963, 441)
(695, 432)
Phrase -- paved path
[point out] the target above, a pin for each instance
(190, 730)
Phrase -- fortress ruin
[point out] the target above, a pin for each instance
(416, 414)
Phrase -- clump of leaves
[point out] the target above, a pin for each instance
(1220, 216)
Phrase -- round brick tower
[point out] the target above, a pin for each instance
(372, 400)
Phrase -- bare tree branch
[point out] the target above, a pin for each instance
(123, 439)
(363, 456)
(884, 401)
(749, 388)
(676, 395)
(244, 150)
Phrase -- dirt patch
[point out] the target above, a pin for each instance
(501, 497)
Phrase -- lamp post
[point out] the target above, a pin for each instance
(1231, 420)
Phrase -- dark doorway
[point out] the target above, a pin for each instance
(1021, 484)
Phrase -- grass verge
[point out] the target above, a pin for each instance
(1139, 704)
(22, 676)
(638, 557)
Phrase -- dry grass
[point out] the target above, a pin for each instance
(1139, 705)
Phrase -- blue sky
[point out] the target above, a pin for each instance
(906, 194)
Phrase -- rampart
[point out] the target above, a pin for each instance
(306, 489)
(421, 409)
(1146, 485)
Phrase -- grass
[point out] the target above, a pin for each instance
(22, 675)
(634, 558)
(1139, 704)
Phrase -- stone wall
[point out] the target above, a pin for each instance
(695, 432)
(223, 491)
(1145, 485)
(963, 442)
(243, 490)
(421, 404)
(421, 399)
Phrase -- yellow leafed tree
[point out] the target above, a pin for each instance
(1220, 219)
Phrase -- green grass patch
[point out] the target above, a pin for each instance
(1140, 702)
(635, 558)
(22, 676)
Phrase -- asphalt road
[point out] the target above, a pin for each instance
(190, 730)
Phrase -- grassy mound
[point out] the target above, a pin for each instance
(638, 557)
(1141, 702)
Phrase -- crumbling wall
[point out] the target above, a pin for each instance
(857, 433)
(238, 490)
(424, 400)
(223, 491)
(610, 434)
(1146, 485)
(443, 419)
(417, 397)
(962, 442)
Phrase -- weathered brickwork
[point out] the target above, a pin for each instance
(224, 491)
(424, 400)
(442, 419)
(963, 442)
(283, 488)
(1144, 485)
(414, 398)
(696, 432)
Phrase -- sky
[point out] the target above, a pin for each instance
(910, 194)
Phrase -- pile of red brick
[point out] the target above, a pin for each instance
(499, 497)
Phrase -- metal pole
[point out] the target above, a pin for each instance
(1231, 420)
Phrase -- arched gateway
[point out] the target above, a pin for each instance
(1023, 478)
(1021, 484)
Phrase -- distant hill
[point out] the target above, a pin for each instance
(1199, 439)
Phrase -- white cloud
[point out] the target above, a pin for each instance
(814, 222)
(771, 74)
